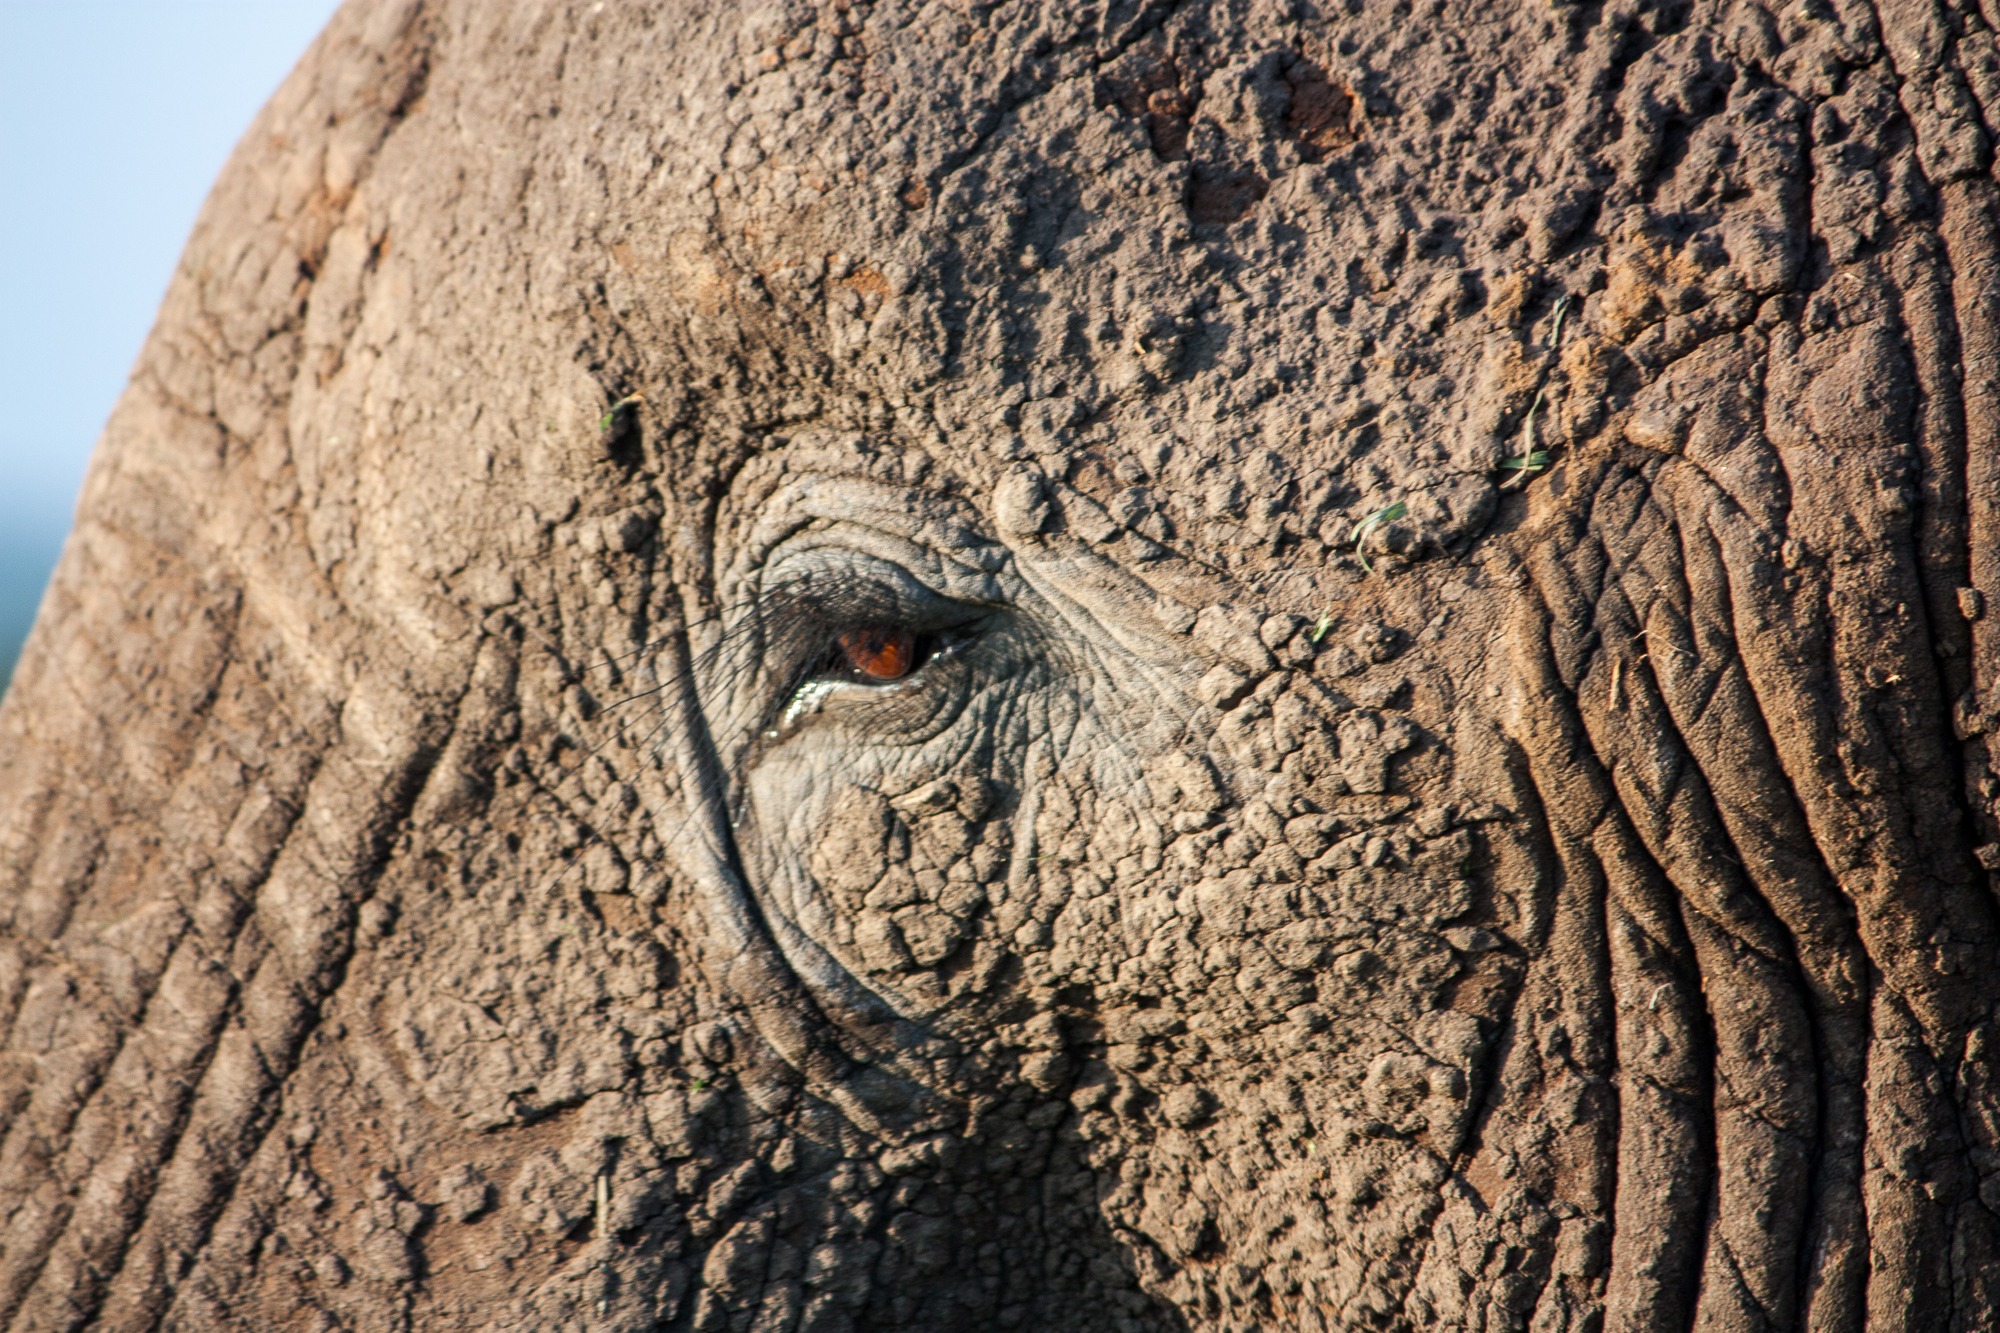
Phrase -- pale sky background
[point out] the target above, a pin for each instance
(115, 116)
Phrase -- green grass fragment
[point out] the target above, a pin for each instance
(611, 413)
(1375, 520)
(1562, 306)
(1524, 469)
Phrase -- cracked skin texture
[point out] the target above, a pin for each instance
(443, 888)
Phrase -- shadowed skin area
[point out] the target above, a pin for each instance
(920, 666)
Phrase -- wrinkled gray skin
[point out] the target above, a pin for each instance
(1102, 850)
(1448, 786)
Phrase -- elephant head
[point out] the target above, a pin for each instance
(956, 666)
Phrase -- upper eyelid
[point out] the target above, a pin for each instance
(924, 528)
(930, 576)
(925, 518)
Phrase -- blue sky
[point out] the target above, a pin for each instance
(115, 116)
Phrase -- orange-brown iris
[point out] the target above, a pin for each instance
(880, 654)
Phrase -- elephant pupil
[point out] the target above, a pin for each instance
(877, 653)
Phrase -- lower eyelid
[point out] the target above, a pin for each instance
(812, 696)
(806, 701)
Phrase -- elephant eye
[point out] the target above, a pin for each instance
(882, 654)
(880, 666)
(863, 644)
(876, 654)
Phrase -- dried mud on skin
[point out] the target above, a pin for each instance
(430, 901)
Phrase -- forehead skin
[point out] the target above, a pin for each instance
(1460, 811)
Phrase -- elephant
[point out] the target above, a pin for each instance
(931, 665)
